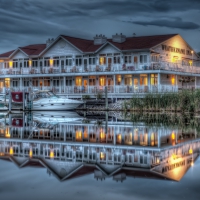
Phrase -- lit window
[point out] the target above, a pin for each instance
(78, 81)
(102, 60)
(143, 79)
(154, 79)
(102, 81)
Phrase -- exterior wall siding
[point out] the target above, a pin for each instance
(61, 48)
(108, 49)
(177, 42)
(18, 55)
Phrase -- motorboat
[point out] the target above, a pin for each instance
(46, 100)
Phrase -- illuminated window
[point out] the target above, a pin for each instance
(30, 63)
(128, 139)
(85, 134)
(119, 138)
(7, 134)
(102, 156)
(175, 59)
(102, 135)
(173, 80)
(136, 135)
(102, 60)
(51, 62)
(118, 79)
(78, 135)
(102, 81)
(78, 81)
(128, 79)
(154, 79)
(143, 79)
(152, 139)
(7, 82)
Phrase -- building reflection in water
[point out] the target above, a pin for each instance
(69, 146)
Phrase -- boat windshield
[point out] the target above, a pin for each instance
(45, 94)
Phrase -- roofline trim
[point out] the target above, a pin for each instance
(71, 43)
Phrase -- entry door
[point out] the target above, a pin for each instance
(136, 61)
(85, 62)
(136, 83)
(109, 62)
(41, 83)
(62, 63)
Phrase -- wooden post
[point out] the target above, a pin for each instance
(10, 101)
(106, 97)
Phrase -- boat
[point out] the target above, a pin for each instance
(46, 100)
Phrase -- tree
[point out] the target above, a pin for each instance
(198, 53)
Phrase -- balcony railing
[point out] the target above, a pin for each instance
(94, 90)
(176, 67)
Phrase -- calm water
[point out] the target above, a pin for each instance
(61, 155)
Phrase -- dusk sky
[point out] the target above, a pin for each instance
(34, 21)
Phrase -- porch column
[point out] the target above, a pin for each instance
(158, 82)
(149, 81)
(114, 83)
(20, 83)
(195, 82)
(158, 139)
(64, 84)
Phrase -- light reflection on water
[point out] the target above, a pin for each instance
(71, 145)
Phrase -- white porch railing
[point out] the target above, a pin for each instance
(177, 67)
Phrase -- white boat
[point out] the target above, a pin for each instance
(49, 101)
(55, 116)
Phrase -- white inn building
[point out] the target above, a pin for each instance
(126, 65)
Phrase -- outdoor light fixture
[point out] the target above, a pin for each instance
(11, 150)
(30, 63)
(51, 62)
(11, 64)
(31, 153)
(51, 153)
(190, 151)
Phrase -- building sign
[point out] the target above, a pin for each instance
(176, 50)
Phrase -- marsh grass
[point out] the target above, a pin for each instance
(183, 101)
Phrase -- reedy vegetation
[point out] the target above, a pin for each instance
(183, 101)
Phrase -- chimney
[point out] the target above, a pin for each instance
(49, 41)
(99, 39)
(119, 38)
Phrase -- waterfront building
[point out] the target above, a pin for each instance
(126, 65)
(113, 149)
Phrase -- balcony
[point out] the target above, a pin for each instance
(111, 68)
(94, 90)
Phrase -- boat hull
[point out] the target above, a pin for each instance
(55, 106)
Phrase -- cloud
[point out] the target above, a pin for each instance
(169, 23)
(24, 22)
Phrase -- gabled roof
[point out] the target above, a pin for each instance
(34, 49)
(87, 46)
(30, 50)
(143, 42)
(83, 44)
(7, 54)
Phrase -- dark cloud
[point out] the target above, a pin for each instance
(30, 21)
(168, 23)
